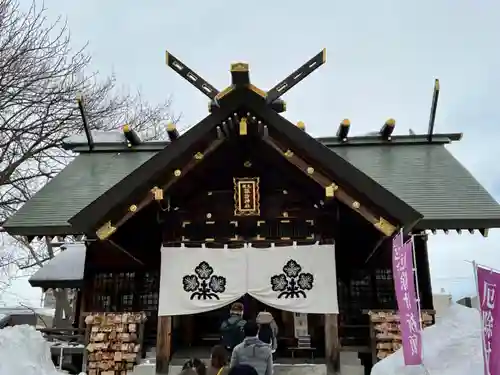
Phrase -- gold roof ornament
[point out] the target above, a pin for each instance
(239, 67)
(243, 126)
(330, 190)
(157, 193)
(105, 231)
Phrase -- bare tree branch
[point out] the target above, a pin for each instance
(40, 78)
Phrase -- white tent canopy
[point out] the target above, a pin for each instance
(65, 270)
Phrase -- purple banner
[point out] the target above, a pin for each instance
(487, 283)
(409, 314)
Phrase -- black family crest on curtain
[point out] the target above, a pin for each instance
(203, 284)
(292, 283)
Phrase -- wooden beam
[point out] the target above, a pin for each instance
(240, 75)
(189, 75)
(172, 132)
(332, 189)
(332, 344)
(289, 82)
(108, 229)
(163, 344)
(131, 135)
(423, 271)
(125, 252)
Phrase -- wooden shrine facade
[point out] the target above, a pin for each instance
(245, 174)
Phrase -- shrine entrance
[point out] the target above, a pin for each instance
(199, 284)
(205, 329)
(200, 332)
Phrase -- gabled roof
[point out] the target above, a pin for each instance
(346, 174)
(153, 171)
(406, 178)
(86, 178)
(425, 175)
(144, 178)
(430, 179)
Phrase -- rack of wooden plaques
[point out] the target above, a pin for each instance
(385, 331)
(113, 342)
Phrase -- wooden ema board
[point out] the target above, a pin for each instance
(113, 342)
(385, 331)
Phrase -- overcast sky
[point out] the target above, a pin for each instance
(382, 58)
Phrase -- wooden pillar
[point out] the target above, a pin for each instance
(163, 344)
(78, 309)
(187, 328)
(423, 271)
(332, 344)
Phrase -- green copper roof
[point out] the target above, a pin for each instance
(86, 178)
(425, 176)
(428, 178)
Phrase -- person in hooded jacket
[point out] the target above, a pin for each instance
(232, 328)
(268, 329)
(253, 352)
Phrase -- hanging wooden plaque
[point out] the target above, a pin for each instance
(246, 196)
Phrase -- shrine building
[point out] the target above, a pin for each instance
(247, 206)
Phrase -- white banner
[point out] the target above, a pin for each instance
(195, 280)
(294, 278)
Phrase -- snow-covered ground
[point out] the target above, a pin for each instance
(451, 347)
(23, 351)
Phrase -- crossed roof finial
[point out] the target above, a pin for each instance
(240, 76)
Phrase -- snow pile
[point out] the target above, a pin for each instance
(23, 351)
(451, 347)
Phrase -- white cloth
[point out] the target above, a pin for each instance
(294, 278)
(195, 280)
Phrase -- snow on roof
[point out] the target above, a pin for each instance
(4, 318)
(66, 266)
(97, 136)
(451, 347)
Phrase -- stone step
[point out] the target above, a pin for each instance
(352, 370)
(279, 369)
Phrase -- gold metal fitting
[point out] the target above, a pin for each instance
(239, 67)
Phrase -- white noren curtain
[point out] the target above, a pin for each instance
(300, 279)
(294, 278)
(195, 280)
